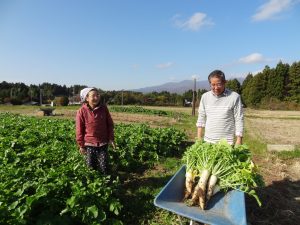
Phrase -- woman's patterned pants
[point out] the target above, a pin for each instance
(97, 158)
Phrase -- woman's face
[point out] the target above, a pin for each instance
(217, 85)
(93, 98)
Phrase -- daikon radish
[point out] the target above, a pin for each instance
(200, 189)
(189, 182)
(211, 186)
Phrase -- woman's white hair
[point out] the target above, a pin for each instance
(84, 92)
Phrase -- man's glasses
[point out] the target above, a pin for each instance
(216, 85)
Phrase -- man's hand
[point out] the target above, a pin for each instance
(82, 150)
(200, 133)
(239, 140)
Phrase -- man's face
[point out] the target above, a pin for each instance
(217, 85)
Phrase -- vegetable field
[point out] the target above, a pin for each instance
(44, 179)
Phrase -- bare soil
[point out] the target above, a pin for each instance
(276, 131)
(281, 194)
(273, 114)
(140, 118)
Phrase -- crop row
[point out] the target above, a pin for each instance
(141, 110)
(44, 179)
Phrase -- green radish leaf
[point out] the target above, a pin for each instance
(71, 201)
(93, 210)
(13, 205)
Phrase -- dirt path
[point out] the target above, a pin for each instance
(281, 194)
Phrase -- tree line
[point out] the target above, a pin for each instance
(45, 93)
(275, 88)
(272, 88)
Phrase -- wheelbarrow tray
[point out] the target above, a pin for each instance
(222, 209)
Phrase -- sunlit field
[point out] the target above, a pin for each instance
(138, 186)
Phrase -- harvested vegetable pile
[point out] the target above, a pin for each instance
(211, 168)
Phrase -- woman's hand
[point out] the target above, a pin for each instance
(82, 150)
(112, 144)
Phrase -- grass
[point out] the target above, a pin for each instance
(256, 145)
(188, 125)
(285, 155)
(272, 117)
(138, 192)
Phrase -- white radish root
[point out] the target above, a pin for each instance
(189, 182)
(216, 190)
(211, 186)
(199, 192)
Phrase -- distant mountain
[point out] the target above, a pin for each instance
(178, 87)
(175, 87)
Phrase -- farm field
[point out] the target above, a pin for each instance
(137, 188)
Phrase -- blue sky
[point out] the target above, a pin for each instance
(128, 44)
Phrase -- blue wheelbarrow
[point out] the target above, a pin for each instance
(222, 209)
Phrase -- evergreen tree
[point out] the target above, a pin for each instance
(19, 92)
(234, 85)
(188, 95)
(245, 88)
(200, 93)
(256, 89)
(246, 81)
(294, 82)
(276, 81)
(34, 93)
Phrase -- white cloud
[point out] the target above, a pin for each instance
(194, 23)
(164, 65)
(272, 8)
(252, 58)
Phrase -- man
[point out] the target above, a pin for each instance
(220, 112)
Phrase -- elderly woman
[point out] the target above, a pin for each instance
(94, 130)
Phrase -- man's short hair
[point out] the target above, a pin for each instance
(217, 73)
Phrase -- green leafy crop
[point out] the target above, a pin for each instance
(45, 180)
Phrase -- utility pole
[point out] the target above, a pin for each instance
(122, 97)
(73, 97)
(41, 97)
(194, 98)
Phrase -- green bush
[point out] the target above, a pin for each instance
(61, 101)
(275, 104)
